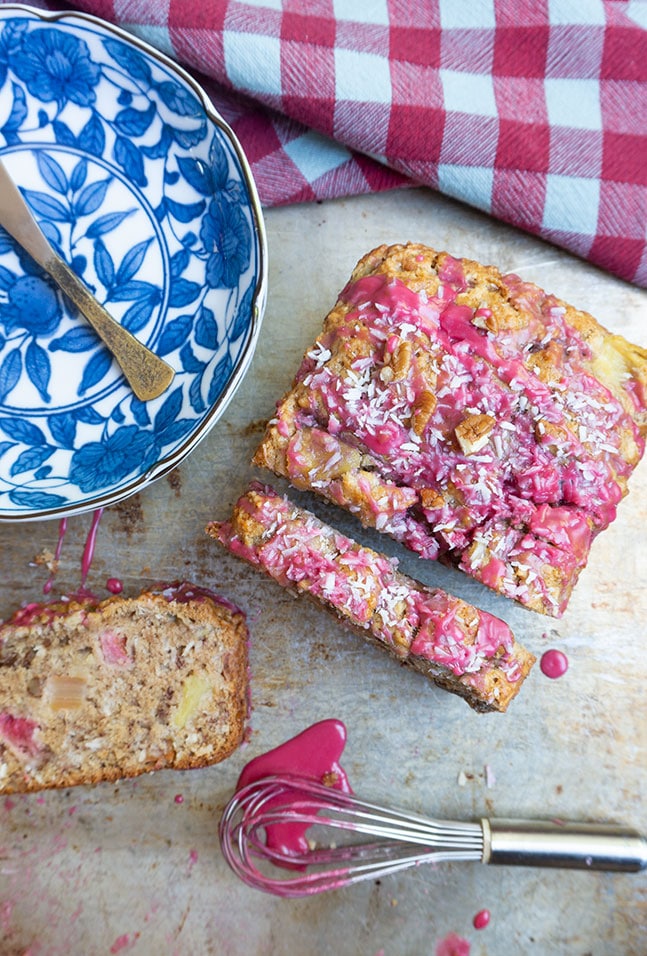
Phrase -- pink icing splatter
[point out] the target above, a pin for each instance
(9, 804)
(193, 858)
(453, 945)
(120, 943)
(553, 664)
(179, 798)
(481, 919)
(88, 551)
(114, 585)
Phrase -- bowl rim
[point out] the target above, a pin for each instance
(166, 464)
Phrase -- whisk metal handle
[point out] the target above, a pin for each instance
(579, 846)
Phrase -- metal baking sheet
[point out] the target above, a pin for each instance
(136, 867)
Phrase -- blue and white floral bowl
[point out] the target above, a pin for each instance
(143, 188)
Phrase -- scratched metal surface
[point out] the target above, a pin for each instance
(128, 868)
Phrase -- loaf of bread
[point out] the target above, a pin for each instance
(93, 691)
(470, 415)
(466, 651)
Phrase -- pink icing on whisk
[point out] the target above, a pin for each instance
(284, 795)
(313, 754)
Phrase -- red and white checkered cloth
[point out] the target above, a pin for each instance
(532, 110)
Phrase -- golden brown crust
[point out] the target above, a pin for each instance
(98, 692)
(525, 418)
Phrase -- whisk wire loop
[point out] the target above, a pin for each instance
(402, 839)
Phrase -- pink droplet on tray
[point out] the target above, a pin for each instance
(553, 664)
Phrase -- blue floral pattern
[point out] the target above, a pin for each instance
(144, 191)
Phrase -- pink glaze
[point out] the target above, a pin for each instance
(453, 945)
(184, 593)
(362, 586)
(451, 271)
(550, 484)
(553, 664)
(114, 585)
(88, 551)
(481, 919)
(313, 754)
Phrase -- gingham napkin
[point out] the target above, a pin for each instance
(533, 112)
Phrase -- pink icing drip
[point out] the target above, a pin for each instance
(563, 527)
(114, 585)
(88, 551)
(313, 754)
(553, 664)
(451, 270)
(492, 573)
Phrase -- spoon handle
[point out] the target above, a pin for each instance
(146, 373)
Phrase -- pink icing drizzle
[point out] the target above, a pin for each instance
(183, 592)
(553, 664)
(313, 754)
(551, 484)
(88, 551)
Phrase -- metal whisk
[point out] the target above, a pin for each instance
(264, 826)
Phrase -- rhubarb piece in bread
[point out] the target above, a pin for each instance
(466, 651)
(93, 691)
(470, 415)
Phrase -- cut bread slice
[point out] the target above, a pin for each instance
(93, 691)
(467, 651)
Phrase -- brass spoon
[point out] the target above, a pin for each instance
(146, 373)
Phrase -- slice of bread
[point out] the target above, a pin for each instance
(470, 415)
(93, 691)
(464, 650)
